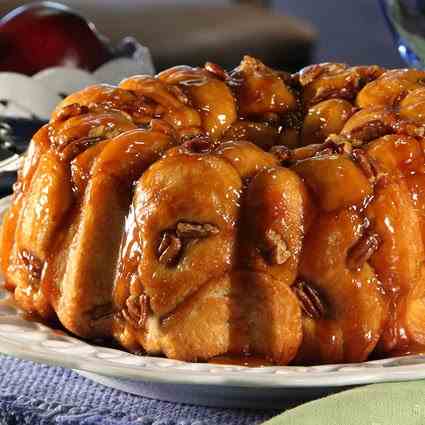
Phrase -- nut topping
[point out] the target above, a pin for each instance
(105, 131)
(71, 110)
(310, 151)
(310, 301)
(195, 231)
(340, 145)
(172, 242)
(197, 144)
(310, 73)
(362, 251)
(366, 163)
(217, 70)
(179, 94)
(277, 249)
(282, 153)
(137, 309)
(74, 148)
(306, 152)
(169, 248)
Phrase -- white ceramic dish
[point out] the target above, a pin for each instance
(195, 383)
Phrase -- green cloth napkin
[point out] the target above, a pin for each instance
(401, 403)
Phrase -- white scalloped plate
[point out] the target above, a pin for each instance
(195, 383)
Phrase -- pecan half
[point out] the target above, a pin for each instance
(367, 164)
(197, 143)
(179, 94)
(136, 310)
(310, 301)
(169, 248)
(217, 70)
(340, 145)
(305, 152)
(311, 151)
(104, 131)
(71, 110)
(372, 130)
(195, 231)
(310, 73)
(162, 127)
(74, 148)
(276, 248)
(362, 251)
(347, 89)
(282, 153)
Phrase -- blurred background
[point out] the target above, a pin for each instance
(49, 49)
(286, 33)
(53, 51)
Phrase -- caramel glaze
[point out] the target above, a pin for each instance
(249, 361)
(248, 217)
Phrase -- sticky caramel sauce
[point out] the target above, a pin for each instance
(411, 349)
(9, 222)
(127, 281)
(38, 145)
(248, 360)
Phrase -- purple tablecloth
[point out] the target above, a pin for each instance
(36, 394)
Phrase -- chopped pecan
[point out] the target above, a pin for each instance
(162, 127)
(105, 131)
(312, 72)
(71, 110)
(186, 134)
(169, 248)
(217, 70)
(33, 265)
(368, 73)
(199, 143)
(310, 151)
(179, 94)
(340, 145)
(282, 152)
(276, 248)
(74, 148)
(136, 310)
(235, 80)
(310, 301)
(195, 231)
(366, 163)
(362, 251)
(374, 129)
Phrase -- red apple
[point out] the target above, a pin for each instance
(46, 34)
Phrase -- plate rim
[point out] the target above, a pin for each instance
(375, 371)
(390, 369)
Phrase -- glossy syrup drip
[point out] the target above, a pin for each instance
(127, 281)
(248, 360)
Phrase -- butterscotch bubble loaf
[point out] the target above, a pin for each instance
(206, 215)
